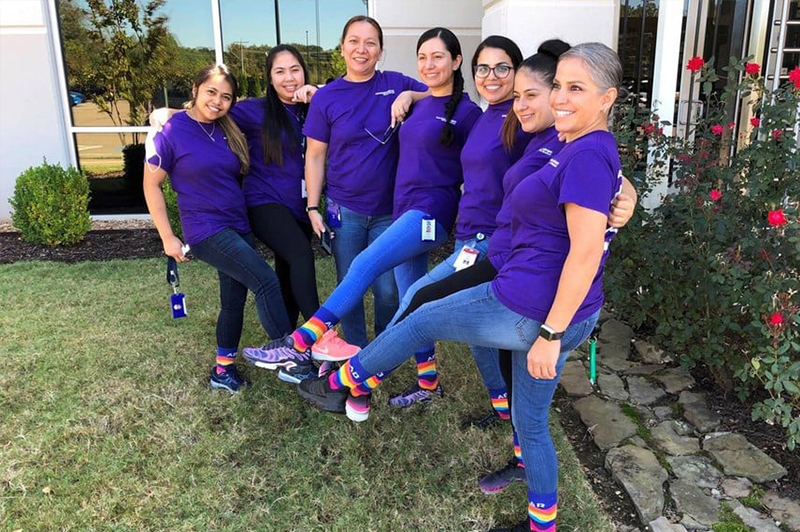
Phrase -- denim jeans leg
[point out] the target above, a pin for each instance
(232, 298)
(350, 240)
(384, 288)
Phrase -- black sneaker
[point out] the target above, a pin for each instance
(228, 380)
(491, 419)
(497, 481)
(522, 526)
(298, 371)
(319, 393)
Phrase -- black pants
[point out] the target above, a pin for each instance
(290, 241)
(480, 273)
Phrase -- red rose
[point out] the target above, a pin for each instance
(775, 318)
(752, 68)
(755, 122)
(777, 134)
(731, 125)
(794, 77)
(715, 195)
(660, 130)
(776, 218)
(717, 129)
(649, 128)
(695, 64)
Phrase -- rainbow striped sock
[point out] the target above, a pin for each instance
(500, 402)
(225, 357)
(313, 329)
(542, 510)
(426, 369)
(353, 375)
(517, 450)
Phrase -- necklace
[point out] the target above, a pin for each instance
(296, 116)
(213, 127)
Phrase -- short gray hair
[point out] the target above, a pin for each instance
(603, 64)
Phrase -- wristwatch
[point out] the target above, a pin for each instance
(549, 334)
(312, 208)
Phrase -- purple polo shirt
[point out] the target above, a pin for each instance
(485, 161)
(587, 172)
(203, 172)
(271, 183)
(353, 119)
(429, 174)
(542, 146)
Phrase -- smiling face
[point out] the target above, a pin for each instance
(286, 75)
(212, 99)
(361, 50)
(436, 66)
(492, 88)
(579, 105)
(532, 101)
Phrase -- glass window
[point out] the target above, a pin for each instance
(248, 33)
(637, 46)
(114, 164)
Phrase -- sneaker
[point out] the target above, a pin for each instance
(228, 380)
(319, 393)
(298, 372)
(357, 407)
(331, 348)
(278, 353)
(414, 394)
(499, 480)
(491, 419)
(522, 526)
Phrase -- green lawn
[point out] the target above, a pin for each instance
(108, 423)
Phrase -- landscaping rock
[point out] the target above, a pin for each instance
(738, 457)
(639, 442)
(675, 380)
(574, 379)
(697, 413)
(614, 356)
(696, 470)
(642, 392)
(615, 332)
(663, 525)
(642, 477)
(662, 412)
(612, 386)
(753, 518)
(736, 487)
(604, 316)
(692, 502)
(644, 370)
(784, 510)
(650, 354)
(605, 420)
(673, 443)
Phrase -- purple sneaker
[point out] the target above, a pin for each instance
(497, 481)
(414, 394)
(277, 354)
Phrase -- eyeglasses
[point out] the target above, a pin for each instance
(386, 137)
(500, 71)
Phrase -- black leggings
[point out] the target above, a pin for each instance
(480, 273)
(290, 241)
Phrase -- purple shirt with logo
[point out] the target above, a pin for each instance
(586, 172)
(542, 146)
(485, 161)
(429, 174)
(203, 172)
(271, 183)
(353, 119)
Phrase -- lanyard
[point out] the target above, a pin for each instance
(172, 274)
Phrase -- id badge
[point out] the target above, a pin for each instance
(428, 229)
(333, 214)
(303, 190)
(178, 303)
(466, 258)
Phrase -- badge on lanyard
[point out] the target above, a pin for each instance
(466, 258)
(333, 214)
(428, 229)
(177, 299)
(303, 190)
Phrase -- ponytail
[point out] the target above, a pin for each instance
(446, 137)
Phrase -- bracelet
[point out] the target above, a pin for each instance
(312, 208)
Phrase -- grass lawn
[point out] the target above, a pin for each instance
(108, 423)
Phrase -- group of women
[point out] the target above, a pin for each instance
(541, 201)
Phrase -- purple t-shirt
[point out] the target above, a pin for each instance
(485, 161)
(586, 172)
(203, 172)
(353, 119)
(542, 146)
(429, 174)
(271, 183)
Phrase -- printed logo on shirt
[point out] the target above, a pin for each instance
(554, 163)
(545, 151)
(443, 119)
(388, 92)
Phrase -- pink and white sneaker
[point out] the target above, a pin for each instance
(331, 348)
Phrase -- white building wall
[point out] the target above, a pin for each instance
(31, 114)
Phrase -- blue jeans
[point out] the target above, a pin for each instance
(476, 316)
(240, 269)
(486, 358)
(397, 244)
(356, 233)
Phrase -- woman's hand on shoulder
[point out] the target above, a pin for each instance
(400, 107)
(161, 116)
(304, 93)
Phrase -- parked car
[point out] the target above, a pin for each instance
(76, 97)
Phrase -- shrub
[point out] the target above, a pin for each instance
(50, 205)
(171, 199)
(714, 271)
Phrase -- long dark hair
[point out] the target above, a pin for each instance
(542, 63)
(501, 43)
(276, 116)
(454, 47)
